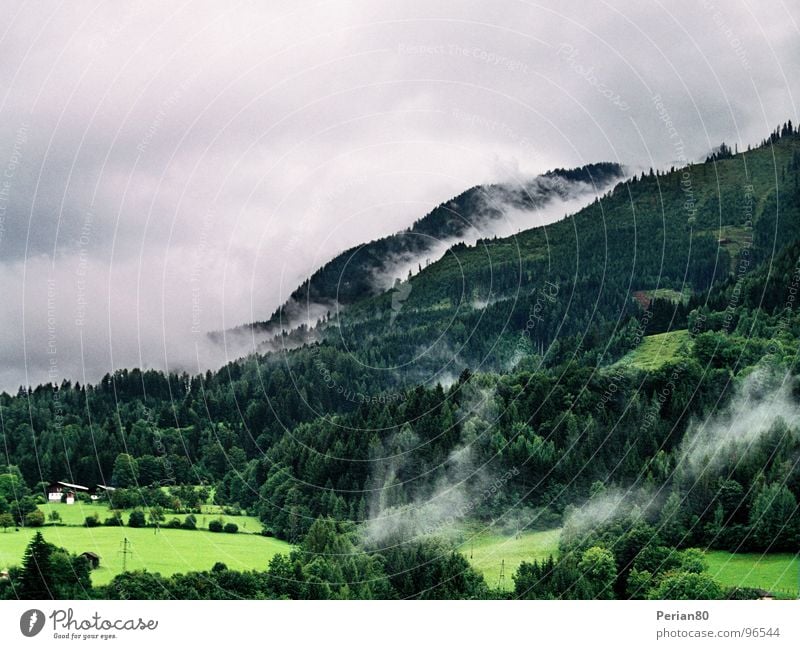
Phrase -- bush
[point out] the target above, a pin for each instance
(115, 520)
(189, 523)
(34, 518)
(231, 528)
(136, 519)
(91, 521)
(215, 525)
(174, 524)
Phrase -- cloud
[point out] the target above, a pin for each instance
(761, 401)
(265, 140)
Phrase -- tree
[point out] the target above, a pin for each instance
(599, 569)
(215, 525)
(35, 580)
(54, 517)
(126, 471)
(156, 515)
(231, 528)
(773, 518)
(34, 518)
(6, 521)
(686, 585)
(136, 519)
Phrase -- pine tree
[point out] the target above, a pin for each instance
(36, 579)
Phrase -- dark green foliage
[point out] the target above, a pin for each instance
(137, 519)
(215, 525)
(34, 518)
(91, 521)
(230, 528)
(687, 585)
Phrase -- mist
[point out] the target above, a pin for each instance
(762, 400)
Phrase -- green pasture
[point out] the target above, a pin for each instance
(166, 551)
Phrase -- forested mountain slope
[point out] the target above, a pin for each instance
(356, 426)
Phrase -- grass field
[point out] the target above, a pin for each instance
(669, 294)
(167, 552)
(779, 573)
(488, 552)
(656, 350)
(76, 514)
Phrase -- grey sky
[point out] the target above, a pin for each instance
(173, 171)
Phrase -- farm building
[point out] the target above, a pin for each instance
(99, 491)
(93, 559)
(58, 491)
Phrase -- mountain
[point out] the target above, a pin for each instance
(484, 210)
(516, 383)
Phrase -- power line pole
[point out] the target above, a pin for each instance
(502, 580)
(125, 552)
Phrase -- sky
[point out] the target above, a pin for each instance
(172, 169)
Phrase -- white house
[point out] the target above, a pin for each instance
(57, 490)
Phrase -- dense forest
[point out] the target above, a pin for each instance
(499, 388)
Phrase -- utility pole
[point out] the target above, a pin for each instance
(502, 580)
(125, 552)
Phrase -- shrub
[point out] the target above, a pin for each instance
(215, 525)
(136, 519)
(115, 520)
(189, 523)
(91, 521)
(231, 528)
(34, 518)
(174, 524)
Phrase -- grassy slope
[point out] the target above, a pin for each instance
(655, 350)
(773, 572)
(779, 573)
(168, 552)
(486, 552)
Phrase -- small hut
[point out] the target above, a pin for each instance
(92, 558)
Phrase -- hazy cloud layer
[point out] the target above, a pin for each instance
(174, 169)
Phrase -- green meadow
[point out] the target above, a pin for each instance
(778, 573)
(656, 350)
(493, 554)
(166, 551)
